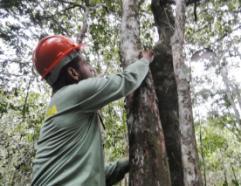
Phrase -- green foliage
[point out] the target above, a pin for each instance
(19, 132)
(115, 136)
(219, 151)
(221, 121)
(215, 19)
(213, 142)
(10, 3)
(235, 183)
(215, 90)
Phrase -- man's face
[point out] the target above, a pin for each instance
(86, 70)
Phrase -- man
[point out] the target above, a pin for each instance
(69, 149)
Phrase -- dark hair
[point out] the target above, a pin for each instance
(64, 78)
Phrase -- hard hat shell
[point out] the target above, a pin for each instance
(52, 54)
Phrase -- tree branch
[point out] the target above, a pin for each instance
(188, 2)
(87, 9)
(227, 33)
(84, 29)
(26, 99)
(72, 3)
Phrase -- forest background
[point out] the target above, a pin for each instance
(213, 54)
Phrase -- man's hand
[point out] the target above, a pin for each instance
(147, 54)
(116, 171)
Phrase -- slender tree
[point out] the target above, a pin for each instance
(192, 175)
(148, 162)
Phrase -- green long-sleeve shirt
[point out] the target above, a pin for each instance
(69, 149)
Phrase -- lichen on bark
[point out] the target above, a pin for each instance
(192, 176)
(148, 162)
(166, 89)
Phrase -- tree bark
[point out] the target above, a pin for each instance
(165, 85)
(192, 175)
(148, 162)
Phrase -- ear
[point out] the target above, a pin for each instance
(73, 73)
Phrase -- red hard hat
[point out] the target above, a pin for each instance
(52, 53)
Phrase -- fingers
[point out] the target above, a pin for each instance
(148, 55)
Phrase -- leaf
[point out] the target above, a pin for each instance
(235, 182)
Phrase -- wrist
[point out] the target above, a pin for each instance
(146, 60)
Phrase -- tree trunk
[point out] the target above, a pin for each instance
(229, 92)
(165, 84)
(192, 175)
(148, 162)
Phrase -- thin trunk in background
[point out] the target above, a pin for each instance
(192, 175)
(202, 154)
(230, 91)
(148, 159)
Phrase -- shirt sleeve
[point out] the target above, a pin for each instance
(115, 172)
(101, 91)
